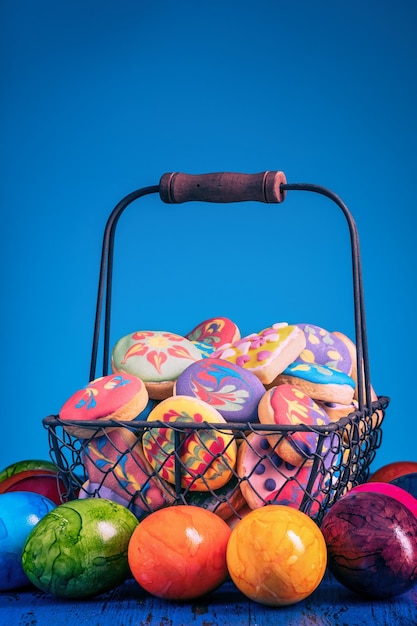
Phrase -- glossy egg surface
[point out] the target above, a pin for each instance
(80, 548)
(276, 555)
(372, 544)
(20, 511)
(179, 553)
(389, 489)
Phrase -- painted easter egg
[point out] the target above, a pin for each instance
(20, 511)
(179, 553)
(408, 482)
(276, 555)
(45, 482)
(388, 472)
(371, 540)
(25, 465)
(79, 549)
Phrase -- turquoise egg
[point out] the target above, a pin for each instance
(79, 549)
(20, 511)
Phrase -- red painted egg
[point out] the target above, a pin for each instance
(179, 553)
(387, 473)
(46, 483)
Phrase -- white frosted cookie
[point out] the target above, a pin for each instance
(156, 357)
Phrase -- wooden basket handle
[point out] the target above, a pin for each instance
(175, 187)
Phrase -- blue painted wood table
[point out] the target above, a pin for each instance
(128, 605)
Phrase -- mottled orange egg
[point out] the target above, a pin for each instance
(179, 553)
(276, 555)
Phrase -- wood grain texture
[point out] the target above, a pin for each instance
(175, 187)
(128, 605)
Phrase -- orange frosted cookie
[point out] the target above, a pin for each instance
(266, 353)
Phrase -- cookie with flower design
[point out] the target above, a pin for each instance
(266, 353)
(202, 459)
(156, 357)
(116, 397)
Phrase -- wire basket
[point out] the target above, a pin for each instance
(111, 458)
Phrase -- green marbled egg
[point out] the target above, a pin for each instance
(79, 549)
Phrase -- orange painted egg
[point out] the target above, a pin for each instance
(276, 555)
(179, 553)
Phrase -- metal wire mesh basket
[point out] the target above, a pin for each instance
(109, 458)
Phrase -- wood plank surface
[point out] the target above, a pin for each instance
(128, 605)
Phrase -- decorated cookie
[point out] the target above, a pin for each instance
(267, 478)
(336, 411)
(206, 349)
(286, 405)
(325, 348)
(351, 347)
(266, 353)
(157, 357)
(319, 382)
(207, 456)
(119, 397)
(232, 390)
(116, 463)
(215, 331)
(225, 502)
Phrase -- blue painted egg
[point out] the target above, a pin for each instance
(20, 511)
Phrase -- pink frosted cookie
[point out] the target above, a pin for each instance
(215, 331)
(118, 397)
(266, 353)
(232, 390)
(157, 357)
(286, 405)
(325, 348)
(319, 382)
(267, 478)
(207, 456)
(116, 463)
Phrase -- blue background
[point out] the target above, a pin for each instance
(100, 98)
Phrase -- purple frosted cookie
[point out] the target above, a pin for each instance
(325, 348)
(232, 390)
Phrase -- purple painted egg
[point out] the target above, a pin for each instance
(390, 490)
(371, 541)
(20, 511)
